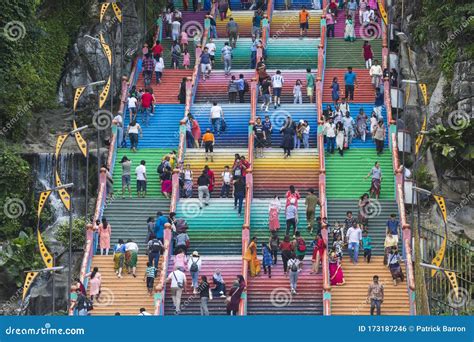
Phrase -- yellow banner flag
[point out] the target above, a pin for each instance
(59, 144)
(63, 194)
(30, 276)
(42, 201)
(77, 95)
(420, 137)
(45, 255)
(442, 207)
(424, 92)
(103, 9)
(106, 48)
(104, 94)
(81, 142)
(383, 13)
(118, 11)
(438, 259)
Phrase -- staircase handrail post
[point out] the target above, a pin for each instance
(160, 288)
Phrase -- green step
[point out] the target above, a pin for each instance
(341, 54)
(214, 229)
(167, 44)
(345, 175)
(259, 221)
(128, 218)
(292, 54)
(240, 55)
(153, 157)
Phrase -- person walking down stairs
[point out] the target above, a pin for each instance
(375, 296)
(251, 256)
(267, 259)
(239, 194)
(233, 298)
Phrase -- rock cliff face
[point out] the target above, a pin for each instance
(450, 103)
(87, 61)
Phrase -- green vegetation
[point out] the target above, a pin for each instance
(451, 24)
(78, 236)
(32, 55)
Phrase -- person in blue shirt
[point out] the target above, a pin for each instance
(393, 226)
(367, 245)
(253, 55)
(241, 83)
(160, 225)
(350, 80)
(268, 128)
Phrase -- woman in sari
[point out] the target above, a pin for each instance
(335, 270)
(274, 213)
(251, 257)
(119, 255)
(361, 124)
(364, 201)
(394, 260)
(188, 181)
(349, 33)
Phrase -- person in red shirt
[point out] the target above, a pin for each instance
(286, 249)
(212, 178)
(244, 164)
(157, 49)
(318, 249)
(148, 102)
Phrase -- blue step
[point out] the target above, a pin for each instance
(163, 126)
(368, 108)
(237, 117)
(297, 112)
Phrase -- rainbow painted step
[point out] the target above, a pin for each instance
(363, 93)
(341, 54)
(286, 24)
(292, 54)
(345, 175)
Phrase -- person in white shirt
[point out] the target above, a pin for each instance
(140, 171)
(131, 257)
(226, 55)
(133, 129)
(194, 266)
(368, 16)
(168, 20)
(277, 84)
(143, 312)
(211, 47)
(216, 115)
(226, 182)
(175, 30)
(344, 106)
(354, 236)
(376, 73)
(305, 133)
(329, 131)
(178, 284)
(119, 123)
(132, 106)
(159, 66)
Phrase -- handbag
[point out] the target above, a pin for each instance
(223, 125)
(179, 283)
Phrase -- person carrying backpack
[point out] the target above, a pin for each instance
(294, 269)
(155, 248)
(194, 266)
(299, 246)
(83, 305)
(274, 244)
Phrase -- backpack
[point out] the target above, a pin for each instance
(301, 245)
(181, 226)
(161, 167)
(246, 87)
(156, 246)
(293, 267)
(88, 305)
(194, 266)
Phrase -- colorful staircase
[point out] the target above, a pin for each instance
(286, 24)
(350, 299)
(242, 18)
(230, 267)
(236, 117)
(167, 91)
(125, 295)
(215, 88)
(273, 175)
(294, 53)
(341, 54)
(241, 54)
(295, 4)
